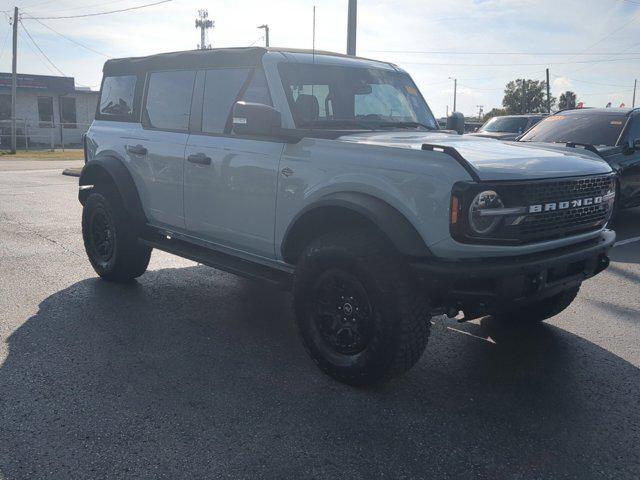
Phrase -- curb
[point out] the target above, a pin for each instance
(72, 172)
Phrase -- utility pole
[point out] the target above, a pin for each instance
(548, 94)
(14, 80)
(352, 25)
(204, 23)
(523, 107)
(455, 92)
(635, 84)
(480, 111)
(266, 34)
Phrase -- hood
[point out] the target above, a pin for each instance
(497, 135)
(492, 159)
(604, 151)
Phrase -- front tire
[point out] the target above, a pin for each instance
(111, 240)
(358, 313)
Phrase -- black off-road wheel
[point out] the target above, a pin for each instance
(111, 239)
(360, 317)
(539, 311)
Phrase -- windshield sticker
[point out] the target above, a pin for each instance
(555, 118)
(410, 90)
(616, 122)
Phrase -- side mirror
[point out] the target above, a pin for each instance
(628, 149)
(255, 119)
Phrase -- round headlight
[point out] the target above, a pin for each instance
(484, 224)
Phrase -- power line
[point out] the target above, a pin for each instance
(86, 47)
(101, 4)
(609, 35)
(98, 13)
(40, 50)
(4, 42)
(590, 82)
(35, 52)
(537, 54)
(520, 64)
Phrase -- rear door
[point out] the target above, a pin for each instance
(230, 181)
(158, 155)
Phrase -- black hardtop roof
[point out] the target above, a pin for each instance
(215, 57)
(598, 111)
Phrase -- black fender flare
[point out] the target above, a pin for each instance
(111, 170)
(393, 224)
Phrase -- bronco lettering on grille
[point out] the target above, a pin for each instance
(548, 207)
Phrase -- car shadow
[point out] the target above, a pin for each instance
(191, 374)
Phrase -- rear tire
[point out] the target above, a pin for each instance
(538, 312)
(111, 239)
(358, 313)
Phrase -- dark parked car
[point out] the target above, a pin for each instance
(612, 133)
(509, 127)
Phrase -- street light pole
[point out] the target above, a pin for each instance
(352, 24)
(14, 80)
(265, 27)
(455, 92)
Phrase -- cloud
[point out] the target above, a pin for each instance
(562, 84)
(387, 29)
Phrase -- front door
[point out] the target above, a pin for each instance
(230, 182)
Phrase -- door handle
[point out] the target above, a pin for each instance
(199, 158)
(137, 149)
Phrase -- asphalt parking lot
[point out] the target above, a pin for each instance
(194, 373)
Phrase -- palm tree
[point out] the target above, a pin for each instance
(568, 99)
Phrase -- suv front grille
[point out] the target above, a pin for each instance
(557, 222)
(553, 191)
(539, 210)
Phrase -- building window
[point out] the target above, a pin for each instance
(5, 107)
(68, 112)
(45, 111)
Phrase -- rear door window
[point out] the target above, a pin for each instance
(168, 102)
(116, 97)
(221, 89)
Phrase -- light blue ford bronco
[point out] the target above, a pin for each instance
(327, 175)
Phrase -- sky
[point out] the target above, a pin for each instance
(591, 47)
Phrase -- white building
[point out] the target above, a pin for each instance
(49, 110)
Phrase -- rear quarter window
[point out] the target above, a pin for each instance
(117, 98)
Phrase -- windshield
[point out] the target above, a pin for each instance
(327, 96)
(506, 124)
(591, 129)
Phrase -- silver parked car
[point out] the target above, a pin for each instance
(508, 127)
(328, 175)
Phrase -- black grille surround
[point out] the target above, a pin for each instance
(547, 224)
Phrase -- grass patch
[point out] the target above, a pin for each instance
(68, 154)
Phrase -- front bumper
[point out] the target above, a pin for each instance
(481, 286)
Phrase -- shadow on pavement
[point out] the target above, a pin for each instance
(191, 373)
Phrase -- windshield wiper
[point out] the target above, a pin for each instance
(405, 125)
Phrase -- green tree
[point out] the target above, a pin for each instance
(494, 112)
(568, 99)
(533, 101)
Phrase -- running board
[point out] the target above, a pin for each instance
(219, 260)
